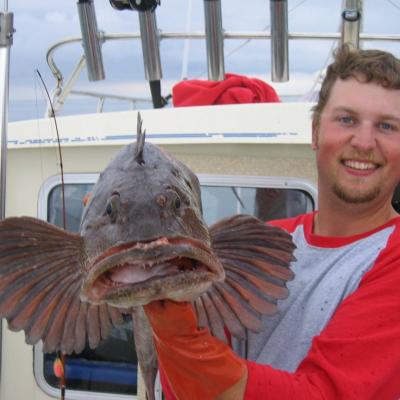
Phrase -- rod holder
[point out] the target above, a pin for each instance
(214, 40)
(351, 23)
(91, 40)
(279, 41)
(6, 29)
(150, 45)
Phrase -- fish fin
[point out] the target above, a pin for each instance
(41, 273)
(205, 305)
(140, 139)
(256, 259)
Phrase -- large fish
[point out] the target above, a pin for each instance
(142, 238)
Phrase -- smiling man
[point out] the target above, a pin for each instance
(356, 136)
(337, 335)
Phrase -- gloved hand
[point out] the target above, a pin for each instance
(197, 365)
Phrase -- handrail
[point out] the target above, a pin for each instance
(102, 96)
(59, 93)
(227, 35)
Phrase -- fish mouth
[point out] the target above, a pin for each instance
(137, 273)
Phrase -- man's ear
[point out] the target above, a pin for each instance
(314, 142)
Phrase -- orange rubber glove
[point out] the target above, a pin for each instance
(197, 365)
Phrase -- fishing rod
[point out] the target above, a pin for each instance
(59, 363)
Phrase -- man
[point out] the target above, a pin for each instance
(337, 336)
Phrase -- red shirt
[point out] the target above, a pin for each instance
(357, 354)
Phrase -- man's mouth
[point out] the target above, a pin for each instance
(361, 165)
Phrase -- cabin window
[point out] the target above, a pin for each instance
(112, 367)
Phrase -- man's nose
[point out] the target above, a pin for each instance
(364, 137)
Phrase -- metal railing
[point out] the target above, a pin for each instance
(61, 91)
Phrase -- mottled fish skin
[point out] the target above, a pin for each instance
(142, 238)
(145, 216)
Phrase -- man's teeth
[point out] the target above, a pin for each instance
(359, 165)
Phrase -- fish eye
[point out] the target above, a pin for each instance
(109, 209)
(112, 207)
(177, 203)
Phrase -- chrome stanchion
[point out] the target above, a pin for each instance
(279, 41)
(214, 40)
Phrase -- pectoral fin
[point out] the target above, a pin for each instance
(256, 260)
(41, 272)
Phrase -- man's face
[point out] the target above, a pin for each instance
(358, 143)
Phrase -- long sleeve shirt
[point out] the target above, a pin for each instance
(337, 336)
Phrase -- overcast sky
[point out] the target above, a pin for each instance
(41, 23)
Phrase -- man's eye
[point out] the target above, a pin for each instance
(386, 126)
(346, 120)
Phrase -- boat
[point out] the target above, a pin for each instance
(250, 158)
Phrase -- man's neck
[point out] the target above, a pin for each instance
(350, 219)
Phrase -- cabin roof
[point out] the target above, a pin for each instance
(244, 123)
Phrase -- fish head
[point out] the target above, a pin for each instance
(144, 233)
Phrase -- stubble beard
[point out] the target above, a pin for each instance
(355, 196)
